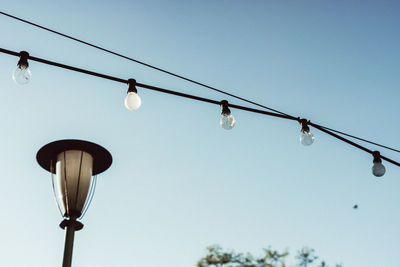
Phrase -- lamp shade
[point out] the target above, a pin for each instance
(74, 162)
(74, 170)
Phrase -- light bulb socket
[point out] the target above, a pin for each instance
(377, 157)
(304, 125)
(225, 108)
(132, 86)
(23, 60)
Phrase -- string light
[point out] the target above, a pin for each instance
(132, 100)
(306, 137)
(140, 62)
(227, 120)
(22, 74)
(378, 169)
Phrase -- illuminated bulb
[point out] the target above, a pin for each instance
(22, 75)
(306, 137)
(132, 101)
(227, 122)
(378, 169)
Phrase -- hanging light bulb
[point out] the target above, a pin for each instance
(378, 169)
(22, 74)
(132, 100)
(306, 137)
(227, 120)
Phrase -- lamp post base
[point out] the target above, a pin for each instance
(71, 226)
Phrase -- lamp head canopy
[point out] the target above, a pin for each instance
(47, 155)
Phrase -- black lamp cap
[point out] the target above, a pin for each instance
(132, 86)
(23, 59)
(47, 155)
(225, 108)
(377, 157)
(304, 125)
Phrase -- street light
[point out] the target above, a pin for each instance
(74, 165)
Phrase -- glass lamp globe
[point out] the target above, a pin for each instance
(306, 138)
(22, 75)
(132, 101)
(378, 169)
(227, 122)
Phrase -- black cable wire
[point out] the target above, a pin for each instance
(150, 87)
(143, 63)
(184, 78)
(359, 138)
(349, 135)
(351, 143)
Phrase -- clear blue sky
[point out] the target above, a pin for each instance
(179, 182)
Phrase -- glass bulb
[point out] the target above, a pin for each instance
(378, 169)
(132, 101)
(306, 138)
(22, 75)
(227, 122)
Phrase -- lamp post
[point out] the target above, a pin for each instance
(74, 165)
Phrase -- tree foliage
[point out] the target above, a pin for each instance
(217, 257)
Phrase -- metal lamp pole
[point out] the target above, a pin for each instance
(71, 226)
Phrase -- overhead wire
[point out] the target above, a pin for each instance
(167, 91)
(183, 78)
(351, 143)
(360, 139)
